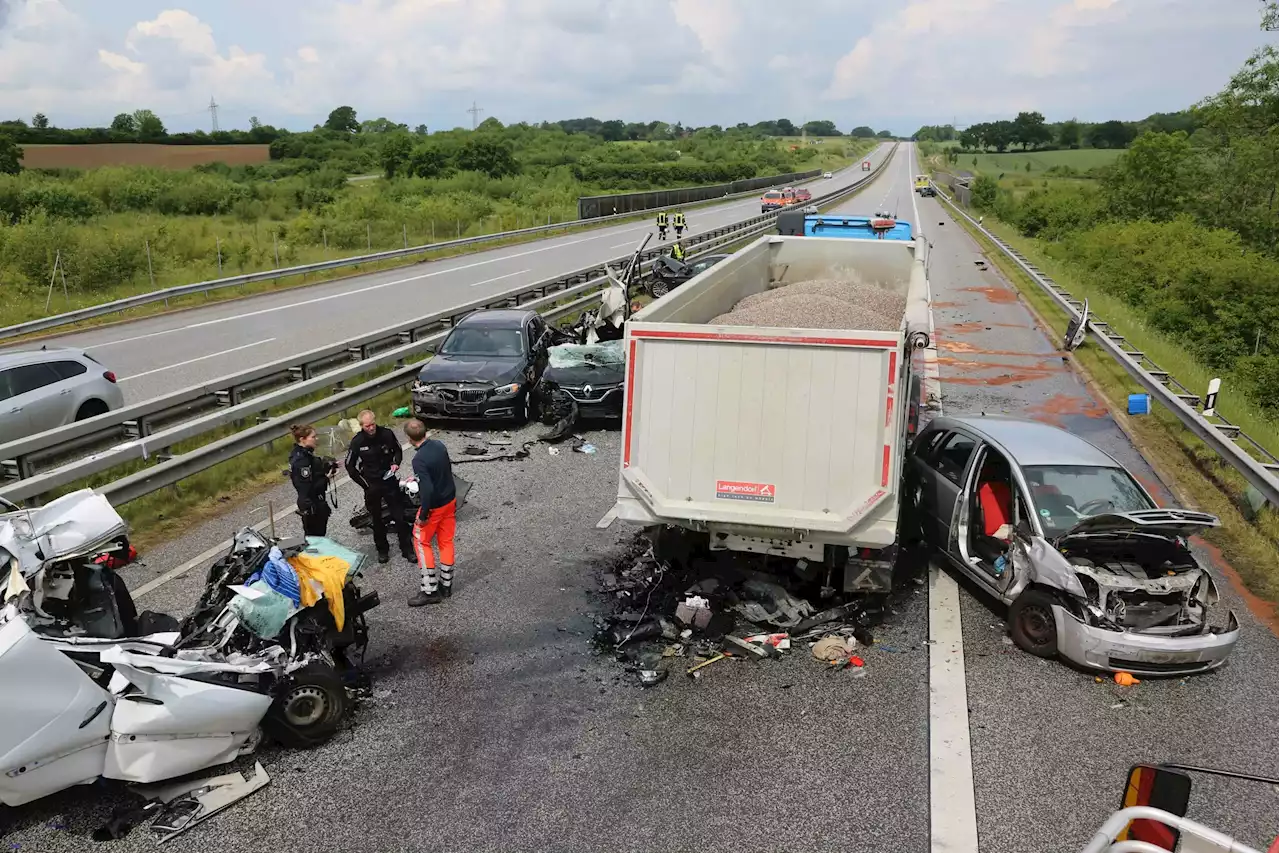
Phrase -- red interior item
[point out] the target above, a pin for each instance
(997, 506)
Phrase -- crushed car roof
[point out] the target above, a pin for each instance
(1031, 443)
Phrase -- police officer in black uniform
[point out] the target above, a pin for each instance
(373, 458)
(310, 475)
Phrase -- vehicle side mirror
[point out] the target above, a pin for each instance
(1023, 528)
(1159, 788)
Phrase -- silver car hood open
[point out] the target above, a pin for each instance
(1156, 522)
(80, 523)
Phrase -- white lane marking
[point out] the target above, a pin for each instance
(498, 278)
(915, 208)
(194, 360)
(953, 821)
(624, 245)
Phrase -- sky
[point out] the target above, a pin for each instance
(891, 65)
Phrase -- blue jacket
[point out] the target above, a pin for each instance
(434, 471)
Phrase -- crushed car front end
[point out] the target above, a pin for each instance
(592, 376)
(467, 401)
(1133, 598)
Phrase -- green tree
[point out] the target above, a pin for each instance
(10, 156)
(984, 191)
(430, 161)
(397, 147)
(493, 157)
(862, 132)
(1155, 179)
(124, 123)
(1029, 129)
(821, 128)
(148, 124)
(1069, 134)
(40, 121)
(342, 120)
(885, 134)
(1270, 16)
(613, 131)
(420, 130)
(1111, 134)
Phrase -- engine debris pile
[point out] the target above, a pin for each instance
(820, 304)
(686, 610)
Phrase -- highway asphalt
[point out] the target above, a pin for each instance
(493, 725)
(157, 355)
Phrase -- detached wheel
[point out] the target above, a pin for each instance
(309, 708)
(1032, 625)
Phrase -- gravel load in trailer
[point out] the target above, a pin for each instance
(769, 399)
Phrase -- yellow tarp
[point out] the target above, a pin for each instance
(331, 574)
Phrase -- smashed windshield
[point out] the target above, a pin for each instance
(585, 355)
(1065, 494)
(482, 340)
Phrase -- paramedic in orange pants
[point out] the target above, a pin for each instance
(435, 521)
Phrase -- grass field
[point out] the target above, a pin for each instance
(139, 154)
(1016, 162)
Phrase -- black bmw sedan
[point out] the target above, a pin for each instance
(485, 368)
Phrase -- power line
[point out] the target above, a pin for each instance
(475, 112)
(213, 112)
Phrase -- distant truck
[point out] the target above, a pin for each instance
(924, 187)
(779, 441)
(866, 165)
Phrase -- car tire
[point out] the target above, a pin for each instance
(91, 408)
(659, 289)
(309, 708)
(1031, 623)
(529, 409)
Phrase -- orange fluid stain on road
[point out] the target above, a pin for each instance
(965, 347)
(1011, 373)
(998, 295)
(1060, 406)
(944, 305)
(1268, 612)
(974, 327)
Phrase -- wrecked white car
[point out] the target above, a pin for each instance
(1090, 568)
(83, 696)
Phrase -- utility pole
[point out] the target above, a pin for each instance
(213, 113)
(475, 113)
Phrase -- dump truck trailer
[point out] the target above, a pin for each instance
(773, 439)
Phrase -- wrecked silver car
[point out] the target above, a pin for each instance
(89, 688)
(1090, 568)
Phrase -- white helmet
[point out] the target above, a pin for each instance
(411, 487)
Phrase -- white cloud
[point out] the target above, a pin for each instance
(699, 61)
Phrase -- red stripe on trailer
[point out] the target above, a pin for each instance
(765, 339)
(631, 390)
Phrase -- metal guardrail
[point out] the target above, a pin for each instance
(590, 207)
(118, 305)
(1219, 434)
(582, 284)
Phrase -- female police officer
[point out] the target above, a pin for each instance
(310, 475)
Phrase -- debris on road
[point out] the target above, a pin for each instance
(697, 603)
(1125, 679)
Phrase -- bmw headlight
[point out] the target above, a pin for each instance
(503, 392)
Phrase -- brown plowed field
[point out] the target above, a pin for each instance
(139, 154)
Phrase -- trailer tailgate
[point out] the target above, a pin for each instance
(754, 427)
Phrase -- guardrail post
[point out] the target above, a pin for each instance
(405, 228)
(368, 236)
(275, 245)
